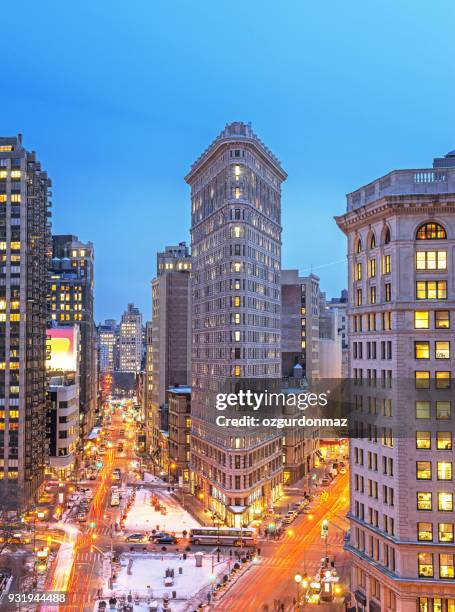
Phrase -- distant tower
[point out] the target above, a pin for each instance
(130, 340)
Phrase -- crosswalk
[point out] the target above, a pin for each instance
(89, 557)
(285, 563)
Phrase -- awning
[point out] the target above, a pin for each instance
(361, 598)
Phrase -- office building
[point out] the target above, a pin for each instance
(107, 341)
(236, 264)
(130, 340)
(71, 293)
(62, 422)
(179, 402)
(300, 324)
(24, 248)
(401, 256)
(170, 341)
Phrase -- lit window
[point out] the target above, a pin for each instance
(444, 440)
(237, 301)
(422, 379)
(425, 532)
(237, 231)
(359, 297)
(443, 410)
(2, 197)
(445, 502)
(237, 171)
(444, 470)
(237, 193)
(442, 319)
(442, 380)
(425, 561)
(3, 174)
(386, 264)
(372, 268)
(431, 260)
(445, 532)
(442, 350)
(422, 410)
(431, 290)
(421, 319)
(446, 565)
(358, 271)
(423, 440)
(372, 295)
(4, 148)
(423, 470)
(15, 197)
(422, 350)
(388, 292)
(15, 174)
(431, 231)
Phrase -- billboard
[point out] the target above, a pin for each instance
(63, 349)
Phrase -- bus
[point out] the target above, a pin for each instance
(223, 537)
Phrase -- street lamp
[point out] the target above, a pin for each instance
(298, 580)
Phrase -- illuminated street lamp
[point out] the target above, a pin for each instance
(298, 580)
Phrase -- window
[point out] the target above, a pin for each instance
(421, 319)
(373, 241)
(442, 350)
(446, 566)
(422, 410)
(386, 264)
(445, 502)
(443, 410)
(442, 380)
(425, 561)
(372, 268)
(358, 246)
(444, 440)
(423, 440)
(387, 236)
(423, 470)
(388, 292)
(359, 297)
(425, 532)
(431, 260)
(442, 319)
(424, 501)
(444, 470)
(358, 271)
(445, 532)
(373, 295)
(422, 379)
(422, 350)
(431, 290)
(431, 231)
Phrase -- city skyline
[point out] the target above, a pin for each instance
(351, 116)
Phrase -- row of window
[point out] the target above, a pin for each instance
(425, 501)
(422, 349)
(427, 231)
(441, 319)
(425, 532)
(424, 470)
(443, 440)
(426, 565)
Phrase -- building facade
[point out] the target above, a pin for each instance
(107, 341)
(236, 265)
(170, 341)
(72, 293)
(179, 401)
(401, 257)
(130, 340)
(300, 323)
(24, 249)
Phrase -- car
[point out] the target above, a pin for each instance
(157, 535)
(135, 537)
(169, 539)
(82, 517)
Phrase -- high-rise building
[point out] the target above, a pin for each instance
(179, 402)
(330, 340)
(236, 264)
(171, 339)
(107, 341)
(340, 304)
(71, 294)
(401, 256)
(300, 323)
(25, 251)
(130, 340)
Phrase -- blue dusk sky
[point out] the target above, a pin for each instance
(119, 98)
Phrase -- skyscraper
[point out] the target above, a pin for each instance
(107, 341)
(71, 294)
(130, 340)
(401, 244)
(171, 338)
(236, 264)
(25, 249)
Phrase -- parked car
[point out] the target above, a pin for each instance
(158, 535)
(169, 539)
(135, 537)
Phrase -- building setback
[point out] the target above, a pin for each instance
(401, 312)
(25, 248)
(236, 251)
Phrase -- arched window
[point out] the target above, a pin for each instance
(373, 241)
(358, 246)
(387, 235)
(431, 231)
